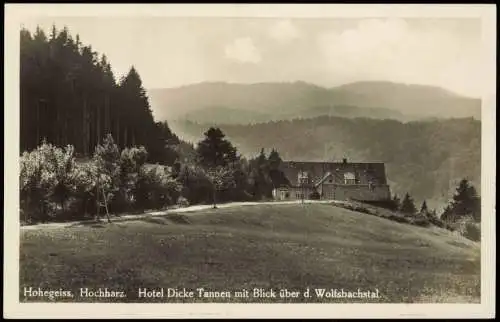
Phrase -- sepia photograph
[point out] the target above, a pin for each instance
(232, 155)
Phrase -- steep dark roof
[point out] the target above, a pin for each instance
(372, 171)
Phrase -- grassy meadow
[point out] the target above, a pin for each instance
(292, 246)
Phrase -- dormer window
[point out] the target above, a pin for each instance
(349, 178)
(303, 177)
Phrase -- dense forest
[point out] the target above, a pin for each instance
(427, 158)
(69, 95)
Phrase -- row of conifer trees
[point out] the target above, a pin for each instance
(69, 95)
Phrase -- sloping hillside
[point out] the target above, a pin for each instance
(246, 103)
(292, 246)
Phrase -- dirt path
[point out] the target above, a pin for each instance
(190, 209)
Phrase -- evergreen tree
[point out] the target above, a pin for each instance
(274, 160)
(259, 174)
(277, 176)
(423, 208)
(69, 95)
(396, 203)
(408, 206)
(447, 214)
(466, 202)
(214, 150)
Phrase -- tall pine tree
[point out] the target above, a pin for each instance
(69, 95)
(408, 206)
(465, 202)
(214, 150)
(423, 208)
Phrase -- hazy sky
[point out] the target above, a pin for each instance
(170, 51)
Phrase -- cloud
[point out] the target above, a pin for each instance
(284, 31)
(243, 50)
(389, 49)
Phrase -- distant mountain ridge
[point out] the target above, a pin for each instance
(233, 103)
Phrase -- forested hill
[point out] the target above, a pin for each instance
(425, 158)
(229, 103)
(69, 95)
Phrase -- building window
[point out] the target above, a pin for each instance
(303, 177)
(349, 178)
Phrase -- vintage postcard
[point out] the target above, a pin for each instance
(293, 161)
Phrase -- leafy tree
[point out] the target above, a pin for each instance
(156, 187)
(196, 185)
(132, 160)
(408, 206)
(37, 183)
(107, 161)
(221, 179)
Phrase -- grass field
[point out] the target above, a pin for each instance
(290, 246)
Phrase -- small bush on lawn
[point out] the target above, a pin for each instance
(473, 231)
(400, 219)
(468, 228)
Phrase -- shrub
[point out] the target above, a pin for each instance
(472, 231)
(107, 160)
(53, 186)
(314, 195)
(434, 220)
(182, 202)
(421, 221)
(84, 188)
(132, 159)
(196, 186)
(45, 182)
(400, 219)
